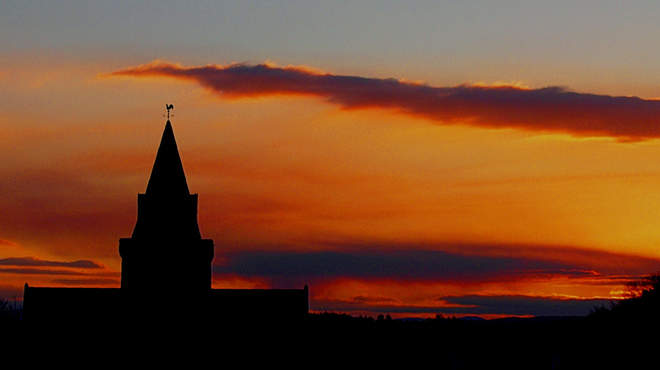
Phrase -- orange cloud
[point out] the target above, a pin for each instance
(549, 109)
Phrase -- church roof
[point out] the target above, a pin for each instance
(167, 176)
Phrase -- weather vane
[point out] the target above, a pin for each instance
(168, 107)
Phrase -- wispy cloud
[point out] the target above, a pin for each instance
(549, 109)
(36, 262)
(35, 271)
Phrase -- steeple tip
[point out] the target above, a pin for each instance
(167, 175)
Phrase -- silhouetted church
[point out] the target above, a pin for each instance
(164, 263)
(166, 233)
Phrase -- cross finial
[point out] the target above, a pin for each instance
(168, 107)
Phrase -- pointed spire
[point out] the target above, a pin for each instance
(167, 176)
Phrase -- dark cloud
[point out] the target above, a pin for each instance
(519, 305)
(373, 299)
(516, 305)
(285, 269)
(36, 266)
(36, 262)
(549, 109)
(382, 265)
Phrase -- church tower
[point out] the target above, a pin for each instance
(166, 251)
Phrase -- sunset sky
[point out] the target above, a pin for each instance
(489, 158)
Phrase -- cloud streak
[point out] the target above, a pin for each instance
(519, 305)
(371, 281)
(36, 262)
(516, 305)
(549, 109)
(287, 269)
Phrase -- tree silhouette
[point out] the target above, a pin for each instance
(637, 288)
(642, 302)
(10, 314)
